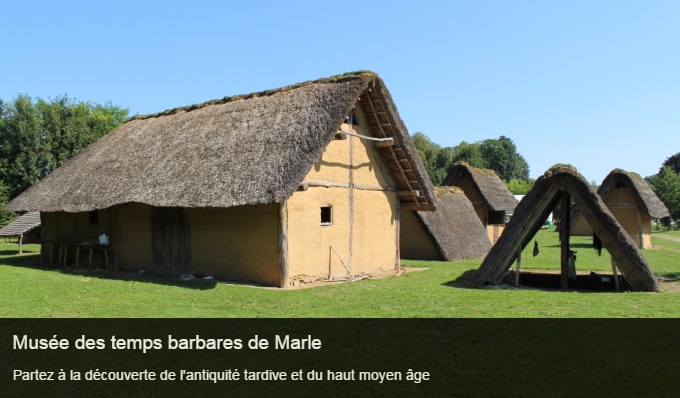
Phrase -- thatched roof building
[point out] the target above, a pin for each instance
(645, 198)
(21, 226)
(533, 210)
(490, 197)
(633, 203)
(173, 175)
(451, 233)
(242, 150)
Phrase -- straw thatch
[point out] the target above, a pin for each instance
(532, 212)
(22, 224)
(454, 228)
(646, 199)
(494, 193)
(244, 150)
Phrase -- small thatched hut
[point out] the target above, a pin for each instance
(453, 232)
(488, 194)
(25, 224)
(563, 183)
(303, 182)
(633, 203)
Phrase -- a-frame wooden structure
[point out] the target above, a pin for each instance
(563, 183)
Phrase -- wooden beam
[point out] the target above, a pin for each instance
(365, 137)
(333, 184)
(615, 275)
(408, 194)
(382, 131)
(564, 238)
(640, 232)
(283, 245)
(351, 207)
(519, 264)
(495, 274)
(382, 144)
(397, 222)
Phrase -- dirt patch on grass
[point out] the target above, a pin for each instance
(305, 281)
(662, 247)
(668, 284)
(669, 237)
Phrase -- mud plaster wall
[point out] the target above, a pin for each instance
(414, 243)
(492, 231)
(312, 247)
(236, 243)
(131, 236)
(623, 206)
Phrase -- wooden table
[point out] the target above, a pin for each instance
(64, 248)
(91, 248)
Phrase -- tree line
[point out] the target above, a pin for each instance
(37, 136)
(499, 155)
(666, 185)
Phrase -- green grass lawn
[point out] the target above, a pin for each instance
(28, 290)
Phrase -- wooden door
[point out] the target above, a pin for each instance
(170, 239)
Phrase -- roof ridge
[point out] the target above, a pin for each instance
(188, 108)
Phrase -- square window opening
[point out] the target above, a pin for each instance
(326, 215)
(497, 217)
(94, 218)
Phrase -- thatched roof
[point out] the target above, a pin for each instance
(454, 227)
(646, 199)
(22, 224)
(532, 211)
(243, 150)
(489, 186)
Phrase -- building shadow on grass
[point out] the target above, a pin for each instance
(601, 282)
(463, 281)
(32, 261)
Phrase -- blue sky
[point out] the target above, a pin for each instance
(592, 83)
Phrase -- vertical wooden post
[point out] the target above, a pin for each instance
(351, 194)
(21, 243)
(519, 264)
(640, 231)
(397, 209)
(113, 228)
(615, 275)
(564, 238)
(283, 244)
(42, 240)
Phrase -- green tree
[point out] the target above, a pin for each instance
(429, 153)
(673, 162)
(471, 154)
(6, 216)
(666, 185)
(499, 155)
(520, 186)
(24, 145)
(36, 137)
(502, 157)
